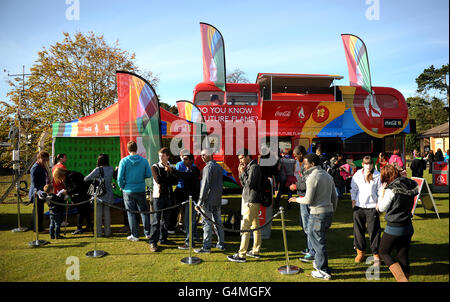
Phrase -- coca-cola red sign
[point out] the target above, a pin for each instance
(282, 113)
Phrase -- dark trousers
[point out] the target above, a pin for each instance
(159, 220)
(173, 215)
(84, 213)
(40, 212)
(366, 219)
(401, 243)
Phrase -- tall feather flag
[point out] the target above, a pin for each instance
(190, 112)
(357, 62)
(213, 55)
(139, 116)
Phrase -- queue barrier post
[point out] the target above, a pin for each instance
(286, 269)
(190, 259)
(95, 253)
(37, 242)
(19, 227)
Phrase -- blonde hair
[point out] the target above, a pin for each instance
(59, 174)
(48, 188)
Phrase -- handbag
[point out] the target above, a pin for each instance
(290, 180)
(98, 185)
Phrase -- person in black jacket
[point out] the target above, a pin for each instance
(418, 165)
(396, 199)
(191, 182)
(250, 177)
(56, 211)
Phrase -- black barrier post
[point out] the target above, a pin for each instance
(190, 259)
(95, 253)
(287, 269)
(37, 242)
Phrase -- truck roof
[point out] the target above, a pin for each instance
(287, 82)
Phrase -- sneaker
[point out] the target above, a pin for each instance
(236, 258)
(250, 254)
(304, 252)
(202, 251)
(147, 236)
(183, 247)
(132, 238)
(64, 223)
(307, 258)
(220, 247)
(76, 232)
(171, 232)
(153, 248)
(318, 274)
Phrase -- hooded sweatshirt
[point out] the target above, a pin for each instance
(320, 191)
(398, 200)
(133, 170)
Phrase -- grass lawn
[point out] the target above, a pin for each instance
(133, 261)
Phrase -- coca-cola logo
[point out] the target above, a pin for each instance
(282, 113)
(286, 113)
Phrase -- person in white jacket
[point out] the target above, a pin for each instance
(364, 194)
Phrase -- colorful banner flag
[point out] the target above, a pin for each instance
(213, 55)
(190, 112)
(139, 116)
(357, 62)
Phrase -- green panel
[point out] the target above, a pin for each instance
(82, 153)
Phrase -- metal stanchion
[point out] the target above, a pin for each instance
(19, 228)
(287, 269)
(190, 259)
(95, 253)
(37, 242)
(67, 214)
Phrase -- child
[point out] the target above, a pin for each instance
(56, 211)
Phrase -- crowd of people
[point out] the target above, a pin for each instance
(318, 181)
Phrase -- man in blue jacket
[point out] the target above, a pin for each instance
(133, 170)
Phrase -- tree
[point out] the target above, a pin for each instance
(237, 76)
(428, 112)
(70, 79)
(433, 79)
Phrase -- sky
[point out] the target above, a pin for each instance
(402, 37)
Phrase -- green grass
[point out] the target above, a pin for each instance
(133, 261)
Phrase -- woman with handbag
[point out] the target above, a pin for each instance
(103, 173)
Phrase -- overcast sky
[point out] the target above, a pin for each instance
(403, 37)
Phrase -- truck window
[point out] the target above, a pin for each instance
(242, 98)
(209, 98)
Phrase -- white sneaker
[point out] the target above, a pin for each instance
(318, 274)
(64, 223)
(132, 238)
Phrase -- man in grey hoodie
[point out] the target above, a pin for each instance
(322, 200)
(210, 201)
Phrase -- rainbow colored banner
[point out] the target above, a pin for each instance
(357, 62)
(139, 115)
(213, 55)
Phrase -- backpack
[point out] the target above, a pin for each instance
(98, 185)
(266, 193)
(232, 222)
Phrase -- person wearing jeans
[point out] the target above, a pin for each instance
(322, 200)
(299, 154)
(210, 202)
(164, 177)
(133, 170)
